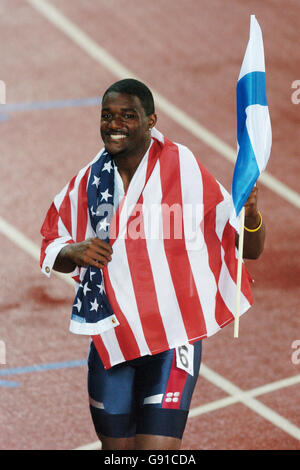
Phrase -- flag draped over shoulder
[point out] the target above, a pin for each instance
(92, 312)
(254, 134)
(172, 277)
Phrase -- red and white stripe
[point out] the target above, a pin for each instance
(162, 290)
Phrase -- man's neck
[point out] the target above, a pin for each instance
(127, 164)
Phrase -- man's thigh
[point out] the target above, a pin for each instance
(111, 396)
(164, 392)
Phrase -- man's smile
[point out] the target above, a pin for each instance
(117, 136)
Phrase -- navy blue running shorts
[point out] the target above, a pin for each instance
(148, 395)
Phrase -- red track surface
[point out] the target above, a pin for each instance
(191, 52)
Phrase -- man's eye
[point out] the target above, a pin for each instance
(105, 116)
(129, 116)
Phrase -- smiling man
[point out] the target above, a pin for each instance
(147, 302)
(126, 123)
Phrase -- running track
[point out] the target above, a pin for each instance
(56, 59)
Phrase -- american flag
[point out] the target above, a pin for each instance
(172, 278)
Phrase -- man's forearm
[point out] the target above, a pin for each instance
(253, 241)
(63, 263)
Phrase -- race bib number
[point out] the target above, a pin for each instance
(185, 358)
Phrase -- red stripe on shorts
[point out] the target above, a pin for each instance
(175, 387)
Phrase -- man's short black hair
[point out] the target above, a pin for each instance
(130, 86)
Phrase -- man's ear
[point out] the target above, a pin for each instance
(152, 120)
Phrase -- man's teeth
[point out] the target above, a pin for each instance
(117, 136)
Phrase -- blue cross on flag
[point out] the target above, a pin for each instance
(254, 135)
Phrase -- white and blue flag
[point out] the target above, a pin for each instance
(254, 135)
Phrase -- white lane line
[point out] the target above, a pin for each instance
(19, 239)
(250, 402)
(273, 386)
(212, 406)
(92, 446)
(23, 242)
(100, 55)
(217, 404)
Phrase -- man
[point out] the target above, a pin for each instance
(146, 297)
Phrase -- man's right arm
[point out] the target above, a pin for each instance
(91, 252)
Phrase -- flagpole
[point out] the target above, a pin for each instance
(239, 274)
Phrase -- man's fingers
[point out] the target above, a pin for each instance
(103, 258)
(98, 253)
(101, 244)
(92, 252)
(95, 262)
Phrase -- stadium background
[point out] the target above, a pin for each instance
(57, 57)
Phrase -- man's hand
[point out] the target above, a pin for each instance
(253, 241)
(91, 252)
(252, 217)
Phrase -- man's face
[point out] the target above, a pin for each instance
(124, 125)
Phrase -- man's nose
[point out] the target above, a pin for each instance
(116, 122)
